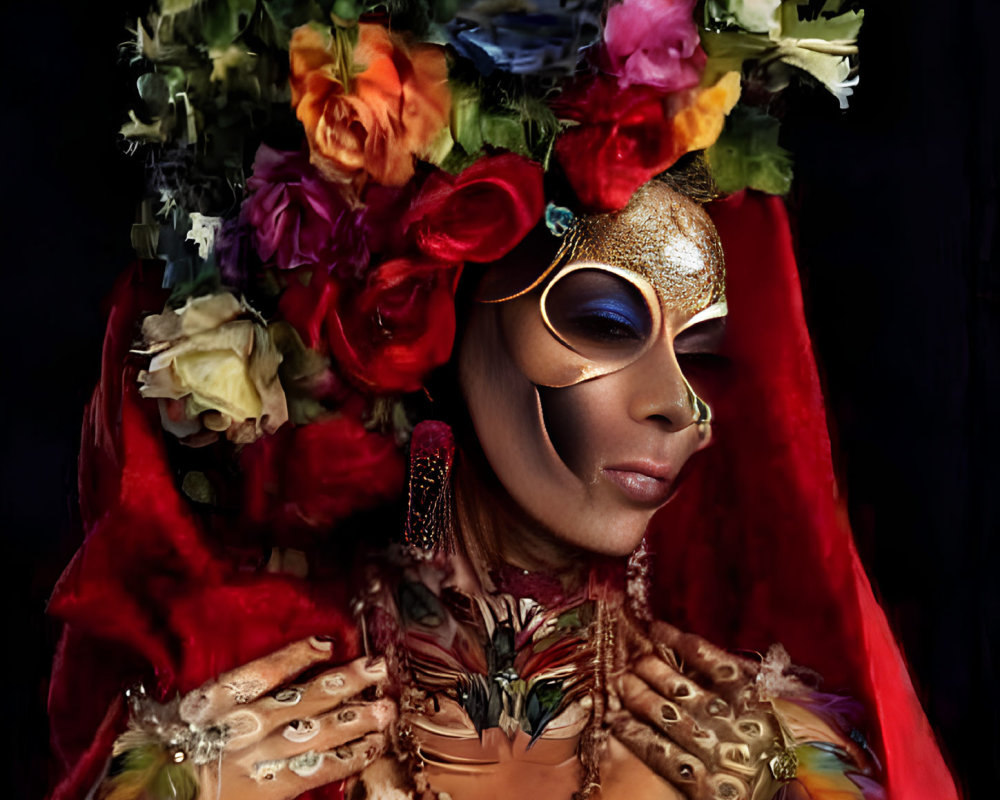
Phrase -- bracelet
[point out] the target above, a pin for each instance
(156, 757)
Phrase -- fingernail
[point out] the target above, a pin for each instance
(333, 683)
(306, 764)
(301, 730)
(242, 723)
(376, 666)
(384, 712)
(343, 752)
(288, 696)
(322, 643)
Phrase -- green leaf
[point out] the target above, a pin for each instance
(747, 154)
(755, 16)
(827, 25)
(465, 113)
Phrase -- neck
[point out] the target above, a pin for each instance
(492, 530)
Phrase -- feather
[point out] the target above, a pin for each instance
(824, 775)
(149, 772)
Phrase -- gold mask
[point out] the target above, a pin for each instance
(618, 284)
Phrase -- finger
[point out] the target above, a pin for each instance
(245, 684)
(253, 722)
(293, 776)
(718, 667)
(679, 688)
(681, 768)
(329, 731)
(666, 758)
(321, 694)
(698, 719)
(671, 719)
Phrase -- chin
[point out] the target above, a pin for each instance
(615, 534)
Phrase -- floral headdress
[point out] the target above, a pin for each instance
(320, 174)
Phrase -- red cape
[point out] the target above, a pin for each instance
(756, 549)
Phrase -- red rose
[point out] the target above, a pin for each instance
(305, 304)
(399, 327)
(480, 214)
(625, 137)
(318, 474)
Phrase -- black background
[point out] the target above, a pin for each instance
(895, 207)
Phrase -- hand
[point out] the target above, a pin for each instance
(689, 712)
(285, 736)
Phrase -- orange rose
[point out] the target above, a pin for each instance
(375, 121)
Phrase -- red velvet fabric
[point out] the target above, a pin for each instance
(756, 548)
(146, 597)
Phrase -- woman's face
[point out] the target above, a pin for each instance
(576, 391)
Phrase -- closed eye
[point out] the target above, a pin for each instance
(604, 324)
(703, 339)
(593, 308)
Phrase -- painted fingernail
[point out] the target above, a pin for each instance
(246, 690)
(717, 707)
(727, 791)
(288, 696)
(384, 712)
(241, 723)
(301, 730)
(306, 764)
(267, 770)
(669, 712)
(376, 666)
(322, 643)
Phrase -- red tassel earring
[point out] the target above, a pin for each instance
(429, 512)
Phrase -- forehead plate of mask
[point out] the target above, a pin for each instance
(660, 235)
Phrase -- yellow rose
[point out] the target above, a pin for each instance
(214, 369)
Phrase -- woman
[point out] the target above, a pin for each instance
(577, 400)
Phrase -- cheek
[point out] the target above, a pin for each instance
(578, 419)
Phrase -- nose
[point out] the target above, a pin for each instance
(659, 392)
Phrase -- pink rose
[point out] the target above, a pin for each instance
(654, 43)
(299, 219)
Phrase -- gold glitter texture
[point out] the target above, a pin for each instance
(660, 235)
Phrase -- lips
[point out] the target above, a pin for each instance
(643, 483)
